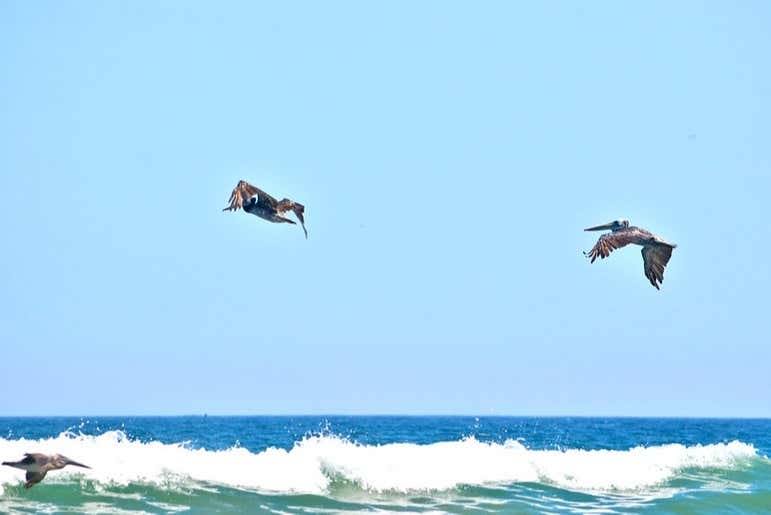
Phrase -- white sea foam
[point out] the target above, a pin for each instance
(313, 463)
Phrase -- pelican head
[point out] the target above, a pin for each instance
(63, 461)
(615, 225)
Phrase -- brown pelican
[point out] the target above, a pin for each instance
(255, 201)
(37, 465)
(655, 251)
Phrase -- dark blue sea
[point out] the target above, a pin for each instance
(316, 464)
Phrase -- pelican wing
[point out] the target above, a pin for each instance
(31, 457)
(244, 191)
(655, 259)
(33, 478)
(609, 242)
(298, 209)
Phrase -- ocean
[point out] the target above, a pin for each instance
(334, 464)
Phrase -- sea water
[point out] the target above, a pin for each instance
(317, 464)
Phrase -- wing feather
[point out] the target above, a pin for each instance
(655, 259)
(244, 191)
(607, 243)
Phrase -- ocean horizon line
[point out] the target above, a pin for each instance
(393, 415)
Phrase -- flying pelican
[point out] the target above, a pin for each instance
(255, 201)
(37, 465)
(655, 251)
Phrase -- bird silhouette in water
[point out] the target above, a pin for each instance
(655, 251)
(255, 201)
(37, 466)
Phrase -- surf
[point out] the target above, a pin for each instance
(316, 462)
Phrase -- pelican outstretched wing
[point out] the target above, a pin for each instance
(31, 457)
(607, 243)
(244, 191)
(655, 259)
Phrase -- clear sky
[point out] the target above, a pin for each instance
(449, 155)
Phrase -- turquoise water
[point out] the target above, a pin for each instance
(335, 464)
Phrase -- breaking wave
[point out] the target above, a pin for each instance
(316, 462)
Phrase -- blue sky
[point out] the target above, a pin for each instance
(449, 155)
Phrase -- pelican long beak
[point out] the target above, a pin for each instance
(602, 227)
(70, 462)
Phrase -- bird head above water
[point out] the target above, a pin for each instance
(60, 461)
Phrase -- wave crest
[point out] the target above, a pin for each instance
(311, 465)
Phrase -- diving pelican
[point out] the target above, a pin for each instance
(655, 251)
(37, 465)
(255, 201)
